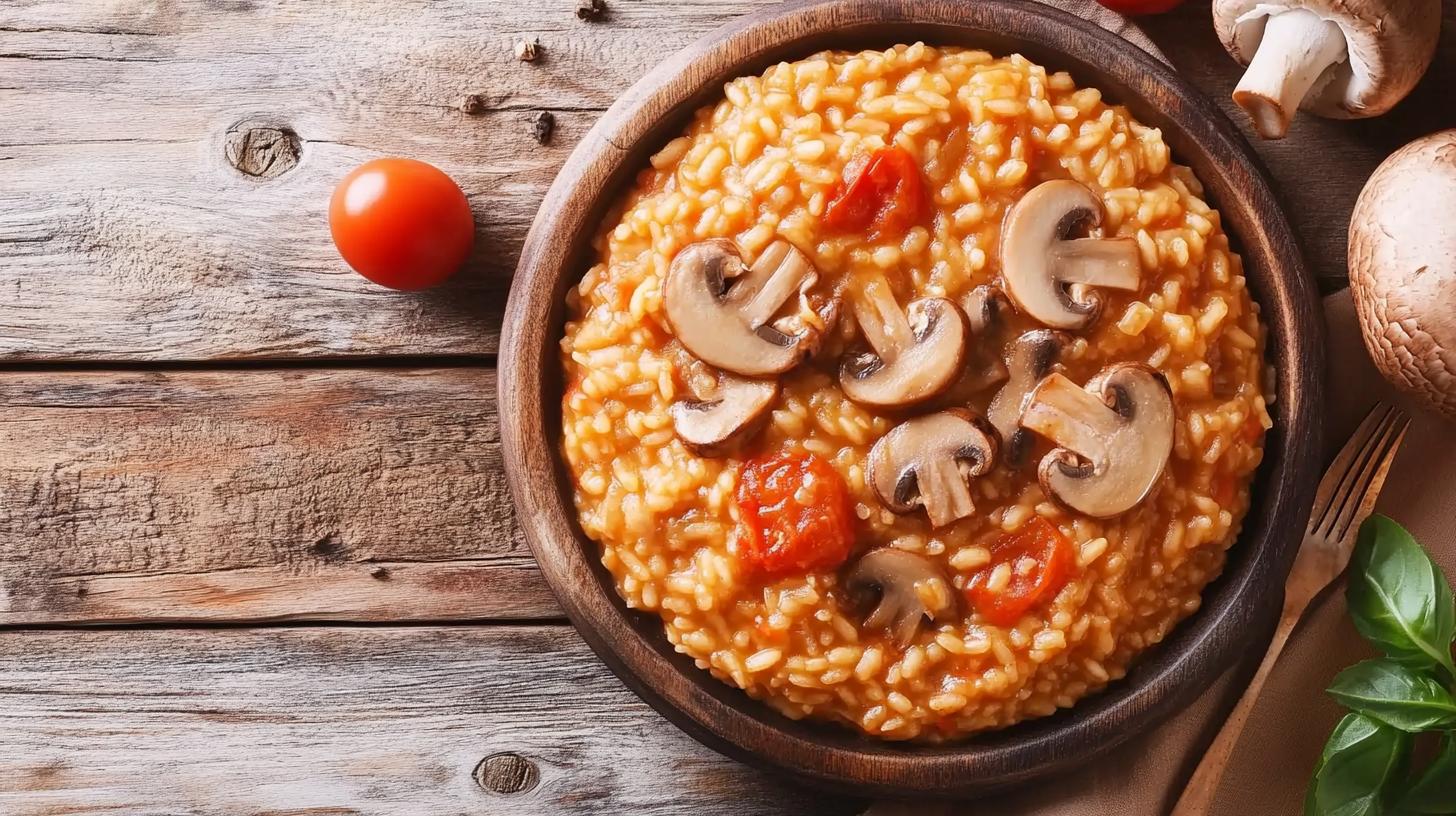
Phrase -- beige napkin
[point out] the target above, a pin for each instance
(1293, 718)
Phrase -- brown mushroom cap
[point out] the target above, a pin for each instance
(712, 426)
(1048, 274)
(910, 590)
(915, 353)
(1115, 436)
(1403, 269)
(927, 462)
(1031, 357)
(720, 311)
(1341, 59)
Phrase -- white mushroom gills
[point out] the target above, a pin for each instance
(1051, 276)
(720, 311)
(1298, 48)
(916, 353)
(1115, 436)
(928, 462)
(709, 427)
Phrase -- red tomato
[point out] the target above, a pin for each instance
(1039, 540)
(1132, 8)
(401, 223)
(883, 194)
(797, 512)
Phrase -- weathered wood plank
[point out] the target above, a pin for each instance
(354, 494)
(347, 721)
(126, 235)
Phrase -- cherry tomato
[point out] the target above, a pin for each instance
(882, 193)
(1133, 8)
(797, 512)
(401, 223)
(1044, 544)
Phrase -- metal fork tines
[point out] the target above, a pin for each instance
(1347, 493)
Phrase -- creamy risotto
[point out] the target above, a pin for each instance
(916, 390)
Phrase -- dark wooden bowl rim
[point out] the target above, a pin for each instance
(1170, 676)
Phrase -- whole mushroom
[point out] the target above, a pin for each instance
(1051, 275)
(1341, 59)
(1115, 436)
(1402, 258)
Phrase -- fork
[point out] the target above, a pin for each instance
(1346, 496)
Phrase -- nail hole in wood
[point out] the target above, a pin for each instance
(262, 150)
(506, 773)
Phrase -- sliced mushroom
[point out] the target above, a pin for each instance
(1050, 275)
(711, 427)
(928, 462)
(1344, 59)
(1115, 436)
(916, 353)
(985, 308)
(1032, 357)
(720, 310)
(910, 590)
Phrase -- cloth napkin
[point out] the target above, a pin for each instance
(1293, 718)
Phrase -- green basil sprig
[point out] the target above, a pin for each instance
(1434, 792)
(1398, 598)
(1361, 759)
(1400, 602)
(1396, 695)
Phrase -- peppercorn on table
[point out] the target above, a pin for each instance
(257, 554)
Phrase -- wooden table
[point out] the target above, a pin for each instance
(256, 550)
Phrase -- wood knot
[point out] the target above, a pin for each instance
(262, 150)
(506, 773)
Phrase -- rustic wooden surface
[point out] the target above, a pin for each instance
(155, 467)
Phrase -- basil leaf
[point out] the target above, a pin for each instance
(1434, 791)
(1397, 695)
(1398, 598)
(1362, 757)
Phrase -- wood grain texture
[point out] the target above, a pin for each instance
(378, 721)
(125, 234)
(1164, 680)
(357, 494)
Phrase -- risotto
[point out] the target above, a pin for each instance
(916, 390)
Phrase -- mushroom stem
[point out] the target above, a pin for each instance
(885, 326)
(1297, 47)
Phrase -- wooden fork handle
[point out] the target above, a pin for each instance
(1197, 798)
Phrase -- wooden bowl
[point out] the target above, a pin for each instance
(633, 644)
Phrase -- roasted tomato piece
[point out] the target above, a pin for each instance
(881, 194)
(1040, 560)
(797, 513)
